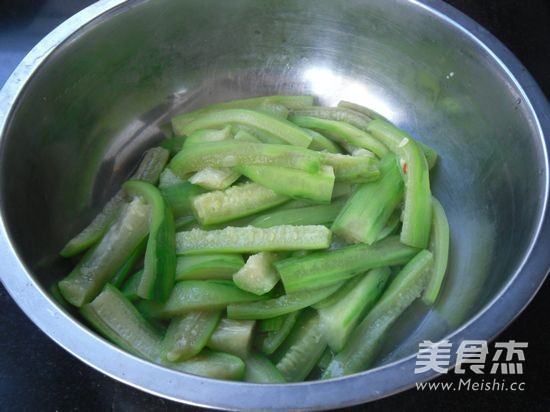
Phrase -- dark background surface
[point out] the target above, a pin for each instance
(36, 374)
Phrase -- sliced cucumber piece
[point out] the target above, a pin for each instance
(233, 203)
(258, 274)
(233, 336)
(252, 239)
(200, 267)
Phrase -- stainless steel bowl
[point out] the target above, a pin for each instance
(89, 98)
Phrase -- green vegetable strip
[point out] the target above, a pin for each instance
(279, 306)
(208, 135)
(233, 203)
(337, 296)
(233, 336)
(273, 109)
(245, 136)
(363, 346)
(321, 142)
(290, 102)
(431, 154)
(325, 360)
(179, 197)
(199, 267)
(58, 297)
(271, 324)
(269, 342)
(130, 287)
(260, 135)
(233, 153)
(251, 239)
(368, 210)
(311, 215)
(271, 125)
(114, 317)
(342, 189)
(194, 295)
(338, 320)
(215, 178)
(259, 369)
(123, 272)
(148, 170)
(183, 221)
(168, 178)
(101, 262)
(214, 365)
(361, 109)
(188, 334)
(173, 143)
(327, 268)
(391, 225)
(343, 131)
(439, 246)
(417, 212)
(302, 349)
(292, 182)
(293, 204)
(166, 129)
(160, 256)
(258, 274)
(340, 114)
(356, 169)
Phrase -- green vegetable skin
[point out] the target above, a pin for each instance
(352, 168)
(160, 256)
(188, 334)
(361, 349)
(233, 336)
(439, 246)
(367, 211)
(259, 369)
(251, 239)
(194, 295)
(235, 202)
(279, 306)
(117, 319)
(417, 212)
(431, 154)
(311, 215)
(122, 273)
(270, 341)
(179, 197)
(207, 135)
(343, 131)
(290, 102)
(337, 321)
(271, 324)
(130, 287)
(327, 268)
(101, 262)
(247, 185)
(233, 153)
(258, 274)
(149, 170)
(198, 267)
(271, 125)
(302, 349)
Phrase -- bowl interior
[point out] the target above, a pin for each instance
(97, 102)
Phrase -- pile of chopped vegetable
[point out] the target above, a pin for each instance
(267, 240)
